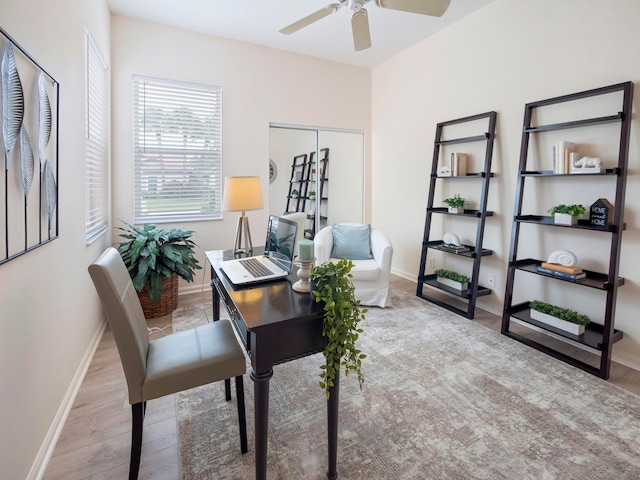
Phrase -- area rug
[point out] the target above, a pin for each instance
(444, 398)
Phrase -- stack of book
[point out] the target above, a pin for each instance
(561, 157)
(458, 164)
(450, 247)
(561, 271)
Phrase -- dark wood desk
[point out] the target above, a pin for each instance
(276, 325)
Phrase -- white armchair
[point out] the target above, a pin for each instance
(370, 276)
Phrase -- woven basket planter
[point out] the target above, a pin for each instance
(168, 299)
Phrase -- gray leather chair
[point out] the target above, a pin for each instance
(176, 362)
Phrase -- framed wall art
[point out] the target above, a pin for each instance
(29, 183)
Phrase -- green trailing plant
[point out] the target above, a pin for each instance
(455, 202)
(573, 210)
(332, 286)
(152, 254)
(559, 312)
(451, 275)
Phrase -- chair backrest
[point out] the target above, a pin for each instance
(121, 305)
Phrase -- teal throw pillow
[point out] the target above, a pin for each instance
(352, 242)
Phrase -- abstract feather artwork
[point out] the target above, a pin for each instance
(29, 215)
(51, 190)
(12, 102)
(44, 109)
(26, 162)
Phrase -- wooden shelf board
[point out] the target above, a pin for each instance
(435, 245)
(467, 213)
(596, 280)
(592, 336)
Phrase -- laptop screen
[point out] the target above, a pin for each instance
(281, 239)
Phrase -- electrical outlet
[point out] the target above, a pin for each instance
(491, 280)
(432, 263)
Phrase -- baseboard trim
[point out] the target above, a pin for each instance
(46, 450)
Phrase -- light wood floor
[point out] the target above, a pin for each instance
(96, 438)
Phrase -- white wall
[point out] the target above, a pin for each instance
(507, 54)
(259, 85)
(49, 312)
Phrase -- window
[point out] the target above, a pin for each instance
(177, 141)
(96, 140)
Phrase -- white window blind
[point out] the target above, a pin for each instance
(96, 140)
(177, 141)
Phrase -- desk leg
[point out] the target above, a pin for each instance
(332, 427)
(261, 402)
(215, 303)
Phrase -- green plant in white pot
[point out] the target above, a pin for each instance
(153, 256)
(559, 317)
(452, 279)
(455, 204)
(331, 285)
(566, 214)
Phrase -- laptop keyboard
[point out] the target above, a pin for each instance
(256, 268)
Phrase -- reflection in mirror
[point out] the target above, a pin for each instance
(328, 191)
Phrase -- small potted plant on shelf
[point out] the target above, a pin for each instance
(452, 279)
(566, 214)
(312, 195)
(331, 285)
(155, 259)
(562, 318)
(294, 193)
(455, 204)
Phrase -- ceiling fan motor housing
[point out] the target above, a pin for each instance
(356, 5)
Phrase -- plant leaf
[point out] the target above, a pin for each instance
(26, 161)
(12, 102)
(44, 132)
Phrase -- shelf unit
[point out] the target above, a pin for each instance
(295, 203)
(317, 204)
(475, 252)
(304, 169)
(598, 337)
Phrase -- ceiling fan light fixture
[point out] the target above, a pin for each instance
(356, 5)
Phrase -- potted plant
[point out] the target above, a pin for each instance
(331, 284)
(452, 279)
(562, 318)
(566, 214)
(456, 203)
(312, 195)
(294, 193)
(155, 259)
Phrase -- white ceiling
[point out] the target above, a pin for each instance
(259, 22)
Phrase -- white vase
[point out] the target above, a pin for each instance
(564, 219)
(456, 210)
(556, 322)
(452, 283)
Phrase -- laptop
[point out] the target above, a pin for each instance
(277, 261)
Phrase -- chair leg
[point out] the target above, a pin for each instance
(242, 418)
(227, 389)
(137, 411)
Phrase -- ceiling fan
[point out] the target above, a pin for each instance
(360, 20)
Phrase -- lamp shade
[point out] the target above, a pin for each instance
(242, 193)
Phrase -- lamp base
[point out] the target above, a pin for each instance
(242, 230)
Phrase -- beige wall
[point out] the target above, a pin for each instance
(260, 86)
(507, 54)
(49, 312)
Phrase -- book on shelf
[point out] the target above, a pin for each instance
(561, 156)
(559, 274)
(453, 248)
(561, 268)
(458, 164)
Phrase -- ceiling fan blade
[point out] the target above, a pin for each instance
(360, 28)
(309, 19)
(434, 8)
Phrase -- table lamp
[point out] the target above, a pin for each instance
(242, 194)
